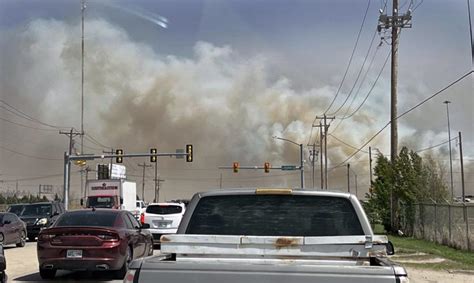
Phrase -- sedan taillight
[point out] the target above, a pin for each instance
(46, 237)
(142, 218)
(109, 238)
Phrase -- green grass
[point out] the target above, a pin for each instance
(456, 259)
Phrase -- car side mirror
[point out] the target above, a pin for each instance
(55, 214)
(82, 202)
(390, 248)
(7, 222)
(121, 200)
(145, 226)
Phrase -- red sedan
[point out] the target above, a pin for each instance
(102, 239)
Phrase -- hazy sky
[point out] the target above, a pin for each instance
(225, 76)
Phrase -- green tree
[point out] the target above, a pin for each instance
(400, 184)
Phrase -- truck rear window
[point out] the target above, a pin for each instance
(274, 215)
(164, 209)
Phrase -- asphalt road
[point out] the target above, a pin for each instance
(22, 266)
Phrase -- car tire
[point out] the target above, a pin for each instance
(120, 274)
(22, 242)
(3, 277)
(150, 252)
(2, 238)
(47, 273)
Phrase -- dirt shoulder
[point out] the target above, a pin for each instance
(418, 275)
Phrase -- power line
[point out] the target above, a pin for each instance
(368, 93)
(26, 116)
(26, 126)
(346, 143)
(28, 155)
(358, 74)
(434, 146)
(350, 59)
(403, 114)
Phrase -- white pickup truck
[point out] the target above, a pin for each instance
(271, 235)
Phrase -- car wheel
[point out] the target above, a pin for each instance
(150, 252)
(1, 238)
(2, 277)
(47, 273)
(120, 274)
(22, 240)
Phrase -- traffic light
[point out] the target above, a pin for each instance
(153, 158)
(119, 159)
(189, 153)
(80, 162)
(102, 171)
(236, 166)
(266, 166)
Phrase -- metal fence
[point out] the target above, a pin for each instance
(447, 224)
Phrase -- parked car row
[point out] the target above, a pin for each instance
(90, 239)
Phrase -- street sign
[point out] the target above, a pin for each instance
(288, 167)
(118, 172)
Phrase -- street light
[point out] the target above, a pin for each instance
(301, 157)
(450, 155)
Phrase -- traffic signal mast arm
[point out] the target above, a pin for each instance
(103, 156)
(282, 167)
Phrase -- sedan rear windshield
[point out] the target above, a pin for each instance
(164, 209)
(87, 218)
(274, 215)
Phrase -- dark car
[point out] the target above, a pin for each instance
(12, 230)
(16, 208)
(97, 239)
(40, 215)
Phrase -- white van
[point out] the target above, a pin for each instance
(164, 218)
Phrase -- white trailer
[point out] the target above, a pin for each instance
(115, 194)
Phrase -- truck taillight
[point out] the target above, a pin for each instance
(142, 218)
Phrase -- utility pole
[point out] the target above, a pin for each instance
(326, 128)
(83, 8)
(144, 165)
(348, 178)
(463, 192)
(157, 191)
(450, 154)
(395, 22)
(370, 166)
(67, 168)
(156, 179)
(356, 183)
(111, 161)
(320, 126)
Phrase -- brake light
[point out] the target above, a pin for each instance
(142, 218)
(46, 237)
(111, 238)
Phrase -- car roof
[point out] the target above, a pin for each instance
(294, 191)
(167, 204)
(98, 210)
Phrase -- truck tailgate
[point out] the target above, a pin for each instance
(180, 272)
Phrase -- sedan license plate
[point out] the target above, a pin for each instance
(74, 254)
